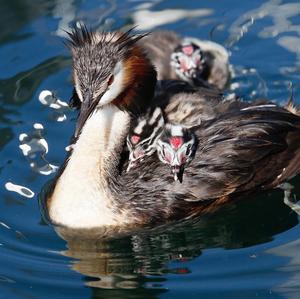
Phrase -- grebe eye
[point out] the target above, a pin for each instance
(111, 80)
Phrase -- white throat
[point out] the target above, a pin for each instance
(82, 197)
(116, 87)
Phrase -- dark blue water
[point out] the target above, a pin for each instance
(249, 249)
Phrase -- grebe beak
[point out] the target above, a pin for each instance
(177, 171)
(131, 164)
(87, 108)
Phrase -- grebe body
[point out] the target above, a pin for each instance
(239, 152)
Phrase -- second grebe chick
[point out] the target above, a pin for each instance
(189, 61)
(177, 147)
(174, 102)
(198, 62)
(143, 136)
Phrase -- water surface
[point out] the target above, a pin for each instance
(248, 249)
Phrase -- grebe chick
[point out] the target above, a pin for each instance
(198, 62)
(177, 102)
(189, 62)
(177, 147)
(143, 136)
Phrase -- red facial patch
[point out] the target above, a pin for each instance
(135, 139)
(176, 142)
(188, 50)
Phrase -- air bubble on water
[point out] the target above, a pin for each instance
(22, 136)
(62, 103)
(24, 191)
(61, 118)
(54, 106)
(38, 126)
(69, 147)
(4, 225)
(25, 149)
(45, 169)
(33, 143)
(35, 147)
(234, 86)
(48, 98)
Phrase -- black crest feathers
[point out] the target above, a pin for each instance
(80, 36)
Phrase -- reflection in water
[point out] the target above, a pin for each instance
(289, 288)
(48, 98)
(290, 197)
(248, 82)
(35, 147)
(21, 88)
(111, 259)
(147, 19)
(6, 135)
(292, 44)
(16, 14)
(65, 11)
(68, 14)
(281, 14)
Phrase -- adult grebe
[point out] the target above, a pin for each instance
(238, 153)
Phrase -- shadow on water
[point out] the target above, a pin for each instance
(137, 262)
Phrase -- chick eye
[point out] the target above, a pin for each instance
(163, 151)
(111, 80)
(144, 146)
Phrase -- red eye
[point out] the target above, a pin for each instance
(111, 80)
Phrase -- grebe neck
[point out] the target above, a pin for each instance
(85, 193)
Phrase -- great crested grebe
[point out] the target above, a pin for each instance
(238, 153)
(190, 59)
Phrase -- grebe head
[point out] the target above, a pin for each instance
(188, 61)
(176, 147)
(110, 68)
(143, 136)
